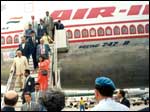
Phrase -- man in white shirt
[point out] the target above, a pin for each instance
(104, 88)
(25, 48)
(29, 105)
(37, 93)
(42, 49)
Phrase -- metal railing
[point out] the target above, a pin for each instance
(8, 85)
(9, 82)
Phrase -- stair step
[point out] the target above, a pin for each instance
(34, 75)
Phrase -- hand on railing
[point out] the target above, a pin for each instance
(11, 71)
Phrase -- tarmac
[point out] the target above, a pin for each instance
(132, 108)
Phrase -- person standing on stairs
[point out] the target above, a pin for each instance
(43, 73)
(19, 65)
(29, 84)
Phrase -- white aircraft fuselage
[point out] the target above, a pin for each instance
(104, 40)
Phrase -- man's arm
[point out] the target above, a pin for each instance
(13, 66)
(32, 84)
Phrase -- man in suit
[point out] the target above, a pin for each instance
(27, 31)
(19, 65)
(33, 42)
(25, 48)
(59, 25)
(29, 105)
(123, 99)
(40, 30)
(10, 100)
(43, 49)
(37, 93)
(28, 84)
(49, 24)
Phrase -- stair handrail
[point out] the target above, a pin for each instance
(10, 80)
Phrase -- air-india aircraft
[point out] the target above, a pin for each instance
(104, 39)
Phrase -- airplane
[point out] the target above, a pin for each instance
(104, 39)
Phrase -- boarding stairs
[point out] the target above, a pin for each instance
(54, 72)
(12, 77)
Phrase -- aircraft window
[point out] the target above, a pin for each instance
(132, 29)
(100, 32)
(16, 39)
(147, 28)
(92, 32)
(140, 28)
(69, 34)
(85, 33)
(2, 40)
(77, 34)
(116, 30)
(108, 31)
(124, 30)
(9, 40)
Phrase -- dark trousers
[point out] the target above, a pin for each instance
(35, 62)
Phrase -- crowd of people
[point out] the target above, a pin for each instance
(51, 100)
(35, 44)
(35, 95)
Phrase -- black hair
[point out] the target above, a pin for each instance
(46, 32)
(10, 102)
(105, 90)
(37, 83)
(27, 71)
(122, 92)
(43, 57)
(27, 93)
(18, 50)
(53, 100)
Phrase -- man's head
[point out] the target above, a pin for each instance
(121, 93)
(27, 97)
(53, 100)
(10, 98)
(47, 13)
(19, 53)
(23, 39)
(41, 21)
(30, 26)
(32, 33)
(41, 41)
(27, 72)
(59, 21)
(37, 86)
(104, 87)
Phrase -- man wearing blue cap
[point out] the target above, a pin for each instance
(104, 88)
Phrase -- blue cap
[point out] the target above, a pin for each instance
(104, 81)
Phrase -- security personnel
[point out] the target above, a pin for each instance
(104, 88)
